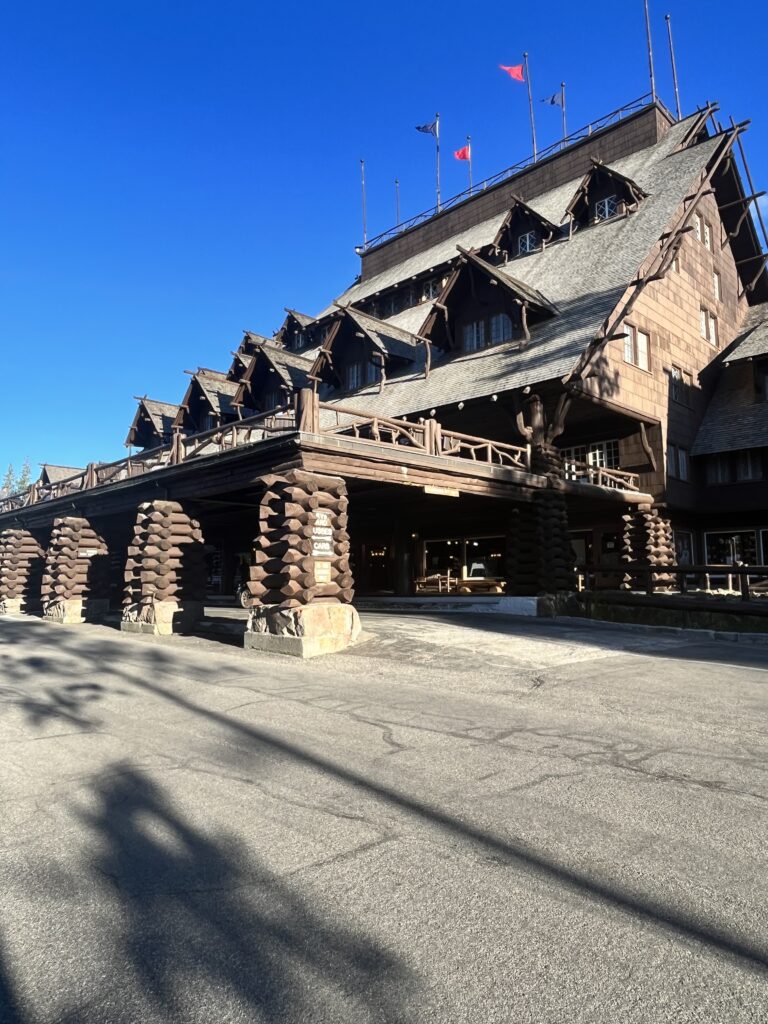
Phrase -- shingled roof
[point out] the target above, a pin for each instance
(583, 277)
(218, 389)
(55, 474)
(753, 340)
(733, 420)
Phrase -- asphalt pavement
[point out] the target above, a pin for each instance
(463, 819)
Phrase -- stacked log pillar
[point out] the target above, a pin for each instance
(539, 556)
(21, 571)
(165, 571)
(301, 584)
(75, 585)
(648, 543)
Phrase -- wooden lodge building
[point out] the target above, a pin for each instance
(567, 368)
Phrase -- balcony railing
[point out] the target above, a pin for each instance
(618, 479)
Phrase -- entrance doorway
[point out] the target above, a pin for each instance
(462, 565)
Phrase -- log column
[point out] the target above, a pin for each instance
(164, 572)
(75, 584)
(648, 542)
(301, 584)
(21, 571)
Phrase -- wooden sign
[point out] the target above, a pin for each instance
(448, 492)
(322, 535)
(322, 572)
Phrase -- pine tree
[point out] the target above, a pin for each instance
(25, 476)
(8, 486)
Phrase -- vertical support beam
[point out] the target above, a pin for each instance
(647, 548)
(164, 572)
(21, 571)
(75, 584)
(301, 584)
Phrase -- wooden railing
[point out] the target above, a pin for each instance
(750, 580)
(427, 435)
(619, 479)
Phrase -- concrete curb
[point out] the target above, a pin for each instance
(684, 632)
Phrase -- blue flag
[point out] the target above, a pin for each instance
(428, 129)
(555, 100)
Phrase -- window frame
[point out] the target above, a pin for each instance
(477, 327)
(356, 366)
(632, 347)
(614, 199)
(717, 285)
(524, 246)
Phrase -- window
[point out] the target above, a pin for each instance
(473, 336)
(708, 235)
(676, 387)
(636, 347)
(748, 465)
(728, 547)
(389, 306)
(431, 289)
(598, 455)
(708, 327)
(683, 547)
(606, 208)
(271, 400)
(501, 328)
(676, 264)
(718, 469)
(372, 372)
(354, 376)
(697, 226)
(527, 242)
(717, 286)
(683, 464)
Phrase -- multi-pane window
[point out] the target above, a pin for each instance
(353, 376)
(501, 328)
(697, 226)
(748, 466)
(708, 327)
(606, 208)
(717, 285)
(431, 288)
(271, 399)
(636, 347)
(708, 235)
(680, 384)
(677, 462)
(372, 372)
(473, 336)
(527, 242)
(718, 469)
(598, 455)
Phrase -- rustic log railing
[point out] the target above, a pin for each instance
(752, 580)
(619, 479)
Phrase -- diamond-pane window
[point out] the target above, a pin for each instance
(527, 242)
(606, 208)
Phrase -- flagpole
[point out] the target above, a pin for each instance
(397, 200)
(437, 158)
(362, 186)
(674, 65)
(469, 161)
(562, 103)
(530, 103)
(650, 52)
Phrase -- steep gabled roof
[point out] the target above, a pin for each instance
(292, 369)
(218, 389)
(598, 168)
(55, 474)
(519, 207)
(518, 288)
(733, 420)
(302, 319)
(753, 340)
(389, 338)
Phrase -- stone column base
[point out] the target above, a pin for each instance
(163, 618)
(321, 627)
(75, 610)
(12, 606)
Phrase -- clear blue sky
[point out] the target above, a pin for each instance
(175, 172)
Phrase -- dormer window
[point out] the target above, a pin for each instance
(473, 336)
(372, 372)
(606, 208)
(501, 328)
(353, 376)
(431, 289)
(527, 242)
(271, 400)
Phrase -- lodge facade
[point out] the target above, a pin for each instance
(567, 369)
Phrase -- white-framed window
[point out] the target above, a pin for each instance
(697, 226)
(606, 208)
(501, 328)
(353, 376)
(527, 242)
(431, 288)
(708, 235)
(717, 285)
(676, 386)
(597, 455)
(748, 465)
(473, 336)
(708, 327)
(637, 346)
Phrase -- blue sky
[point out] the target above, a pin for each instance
(174, 173)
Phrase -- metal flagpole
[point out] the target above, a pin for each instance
(674, 66)
(397, 200)
(437, 157)
(650, 52)
(562, 104)
(362, 184)
(469, 161)
(530, 103)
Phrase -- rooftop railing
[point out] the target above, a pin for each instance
(509, 172)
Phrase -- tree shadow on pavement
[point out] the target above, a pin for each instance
(201, 918)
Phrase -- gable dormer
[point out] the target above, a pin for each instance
(208, 402)
(297, 332)
(484, 305)
(273, 377)
(523, 231)
(361, 350)
(603, 194)
(152, 425)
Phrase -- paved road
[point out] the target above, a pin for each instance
(461, 820)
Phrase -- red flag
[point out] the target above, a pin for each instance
(516, 71)
(462, 154)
